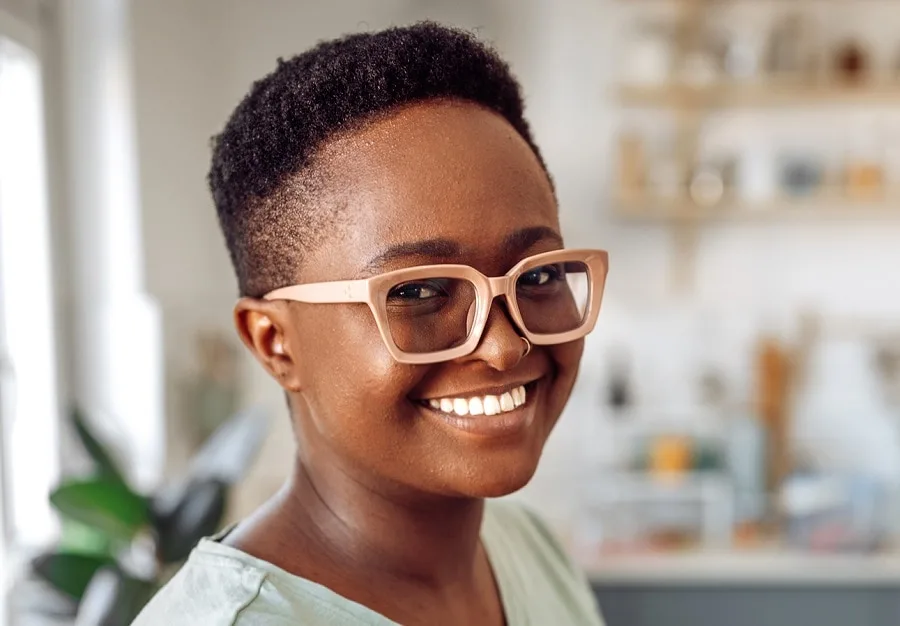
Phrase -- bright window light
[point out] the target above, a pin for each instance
(30, 411)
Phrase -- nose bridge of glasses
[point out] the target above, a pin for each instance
(502, 286)
(499, 286)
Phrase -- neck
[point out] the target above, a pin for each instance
(433, 541)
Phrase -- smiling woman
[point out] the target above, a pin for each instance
(396, 239)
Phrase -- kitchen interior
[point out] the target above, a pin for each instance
(749, 470)
(731, 452)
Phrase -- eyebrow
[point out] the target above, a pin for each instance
(435, 248)
(519, 241)
(514, 244)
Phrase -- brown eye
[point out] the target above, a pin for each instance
(417, 292)
(540, 276)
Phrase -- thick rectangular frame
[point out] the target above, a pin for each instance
(373, 292)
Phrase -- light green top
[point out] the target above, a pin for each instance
(222, 586)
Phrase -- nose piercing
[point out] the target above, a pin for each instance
(527, 346)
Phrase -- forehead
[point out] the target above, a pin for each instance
(436, 171)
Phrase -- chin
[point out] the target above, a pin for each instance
(497, 479)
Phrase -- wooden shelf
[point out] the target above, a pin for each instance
(818, 207)
(757, 95)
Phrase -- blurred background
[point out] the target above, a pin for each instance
(731, 454)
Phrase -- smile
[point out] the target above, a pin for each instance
(489, 404)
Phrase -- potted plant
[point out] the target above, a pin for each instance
(118, 546)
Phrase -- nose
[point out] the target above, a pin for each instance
(500, 346)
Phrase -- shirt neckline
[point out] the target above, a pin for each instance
(503, 579)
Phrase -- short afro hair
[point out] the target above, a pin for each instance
(264, 178)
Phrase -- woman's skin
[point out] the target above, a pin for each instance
(385, 502)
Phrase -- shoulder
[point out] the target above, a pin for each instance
(222, 586)
(209, 590)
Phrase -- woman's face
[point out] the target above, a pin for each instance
(434, 183)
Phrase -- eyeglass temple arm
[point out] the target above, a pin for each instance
(323, 293)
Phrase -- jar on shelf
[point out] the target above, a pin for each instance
(851, 63)
(792, 48)
(648, 56)
(864, 169)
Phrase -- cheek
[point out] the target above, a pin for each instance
(348, 377)
(569, 355)
(566, 358)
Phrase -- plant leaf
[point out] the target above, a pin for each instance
(198, 514)
(69, 572)
(102, 504)
(114, 598)
(83, 539)
(103, 459)
(230, 451)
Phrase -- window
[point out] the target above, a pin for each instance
(29, 412)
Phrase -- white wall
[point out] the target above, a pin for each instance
(24, 10)
(196, 59)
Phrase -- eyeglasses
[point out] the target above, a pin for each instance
(434, 313)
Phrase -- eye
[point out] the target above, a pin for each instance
(417, 291)
(540, 276)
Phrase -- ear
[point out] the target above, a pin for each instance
(262, 326)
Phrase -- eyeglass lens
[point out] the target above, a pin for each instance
(436, 313)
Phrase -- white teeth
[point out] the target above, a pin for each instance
(487, 405)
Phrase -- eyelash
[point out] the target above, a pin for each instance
(396, 293)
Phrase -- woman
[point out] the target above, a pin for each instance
(396, 241)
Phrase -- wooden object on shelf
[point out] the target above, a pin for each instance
(632, 166)
(773, 387)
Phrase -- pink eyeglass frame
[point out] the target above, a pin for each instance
(373, 292)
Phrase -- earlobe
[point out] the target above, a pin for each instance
(262, 326)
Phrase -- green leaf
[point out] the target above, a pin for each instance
(197, 514)
(108, 506)
(103, 460)
(115, 598)
(83, 539)
(70, 572)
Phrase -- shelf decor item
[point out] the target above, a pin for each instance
(864, 177)
(791, 49)
(851, 63)
(707, 186)
(648, 60)
(632, 167)
(801, 176)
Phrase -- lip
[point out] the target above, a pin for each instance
(492, 426)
